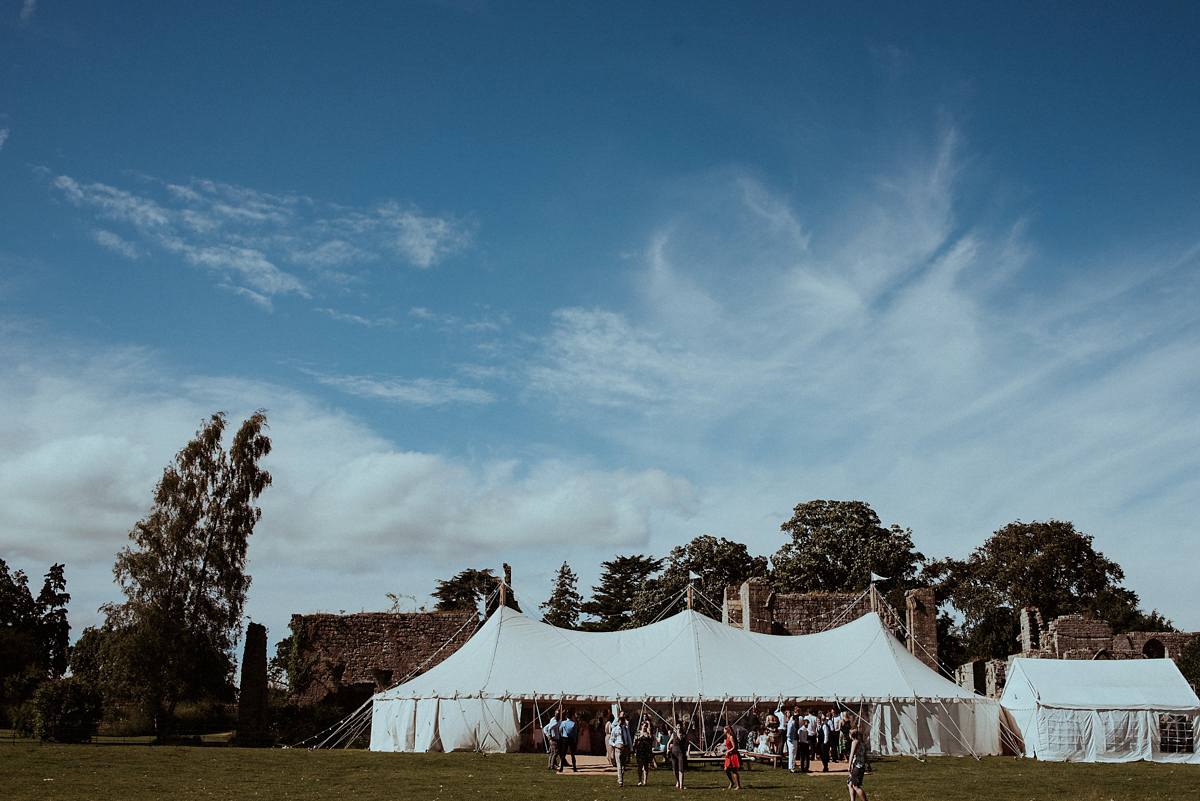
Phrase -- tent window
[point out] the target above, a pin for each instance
(1176, 734)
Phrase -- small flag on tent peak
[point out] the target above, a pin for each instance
(875, 577)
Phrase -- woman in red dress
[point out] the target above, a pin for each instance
(733, 760)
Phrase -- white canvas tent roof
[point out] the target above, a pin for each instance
(1099, 684)
(688, 658)
(1102, 710)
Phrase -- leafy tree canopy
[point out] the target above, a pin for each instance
(612, 598)
(1048, 565)
(715, 563)
(563, 607)
(837, 545)
(184, 576)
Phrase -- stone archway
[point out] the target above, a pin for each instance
(1154, 649)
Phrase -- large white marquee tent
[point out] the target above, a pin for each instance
(473, 700)
(1103, 711)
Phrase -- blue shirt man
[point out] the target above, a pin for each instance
(566, 745)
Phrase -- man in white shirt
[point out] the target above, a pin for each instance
(551, 732)
(622, 743)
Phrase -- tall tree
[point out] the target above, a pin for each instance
(54, 630)
(184, 576)
(612, 598)
(715, 563)
(34, 633)
(837, 545)
(562, 608)
(1046, 564)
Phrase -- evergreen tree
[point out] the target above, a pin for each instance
(34, 633)
(612, 598)
(465, 591)
(714, 563)
(563, 607)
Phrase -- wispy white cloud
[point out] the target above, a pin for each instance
(117, 243)
(452, 322)
(417, 391)
(596, 357)
(3, 136)
(263, 301)
(27, 10)
(424, 241)
(260, 241)
(903, 356)
(380, 322)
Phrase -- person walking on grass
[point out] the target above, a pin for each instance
(608, 727)
(733, 760)
(793, 738)
(643, 751)
(677, 752)
(622, 743)
(858, 766)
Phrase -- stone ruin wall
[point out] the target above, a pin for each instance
(752, 606)
(368, 652)
(1069, 637)
(809, 613)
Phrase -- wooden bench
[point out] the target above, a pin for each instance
(754, 756)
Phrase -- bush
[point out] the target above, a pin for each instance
(291, 724)
(66, 711)
(20, 718)
(1189, 661)
(204, 717)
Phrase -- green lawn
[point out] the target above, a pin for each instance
(129, 773)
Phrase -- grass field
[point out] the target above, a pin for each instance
(131, 773)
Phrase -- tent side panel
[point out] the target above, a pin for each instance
(458, 724)
(1064, 735)
(393, 724)
(1125, 735)
(427, 737)
(950, 729)
(501, 732)
(894, 728)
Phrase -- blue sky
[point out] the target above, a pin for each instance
(536, 282)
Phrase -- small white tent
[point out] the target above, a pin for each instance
(473, 700)
(1102, 710)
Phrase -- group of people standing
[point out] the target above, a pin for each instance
(670, 741)
(806, 735)
(563, 738)
(810, 736)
